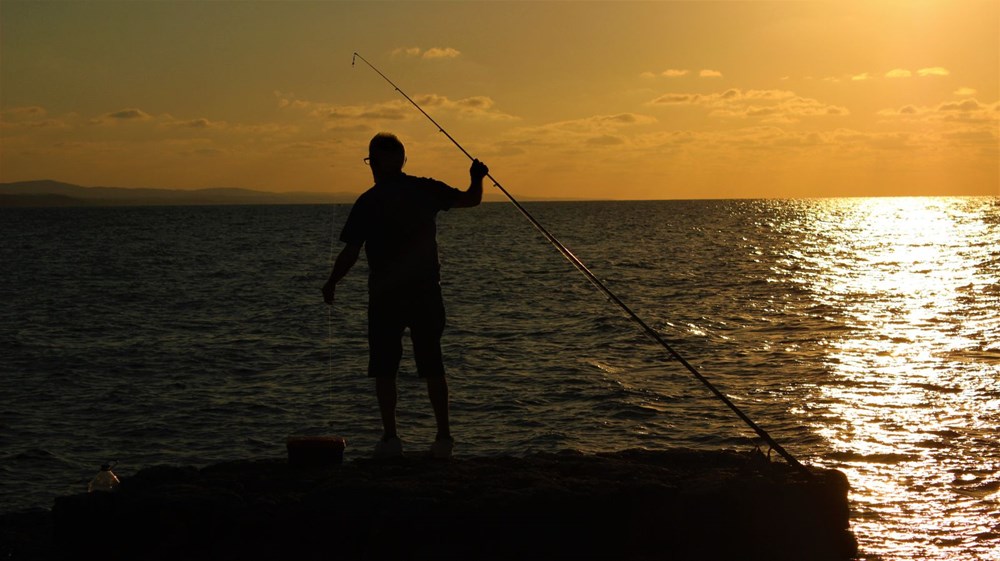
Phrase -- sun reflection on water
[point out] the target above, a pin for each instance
(914, 405)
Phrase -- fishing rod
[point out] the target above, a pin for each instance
(649, 331)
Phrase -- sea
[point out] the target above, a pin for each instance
(863, 334)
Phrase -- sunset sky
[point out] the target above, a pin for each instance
(619, 100)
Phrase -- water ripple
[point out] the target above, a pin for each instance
(193, 335)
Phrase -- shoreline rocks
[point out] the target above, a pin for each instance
(627, 505)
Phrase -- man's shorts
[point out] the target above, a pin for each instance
(389, 316)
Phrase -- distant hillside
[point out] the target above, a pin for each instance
(55, 193)
(48, 193)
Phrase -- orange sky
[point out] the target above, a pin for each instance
(622, 100)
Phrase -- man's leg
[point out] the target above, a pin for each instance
(385, 348)
(385, 391)
(426, 336)
(437, 390)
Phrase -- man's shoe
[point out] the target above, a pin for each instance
(441, 449)
(389, 448)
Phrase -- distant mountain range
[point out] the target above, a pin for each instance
(55, 193)
(46, 192)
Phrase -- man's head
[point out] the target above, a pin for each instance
(386, 155)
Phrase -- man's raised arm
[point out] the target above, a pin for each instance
(474, 194)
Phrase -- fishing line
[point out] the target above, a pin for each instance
(649, 331)
(329, 324)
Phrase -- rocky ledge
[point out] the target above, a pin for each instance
(627, 505)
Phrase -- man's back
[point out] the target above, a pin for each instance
(396, 222)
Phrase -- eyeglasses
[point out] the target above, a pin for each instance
(367, 161)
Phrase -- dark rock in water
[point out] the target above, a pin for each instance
(632, 504)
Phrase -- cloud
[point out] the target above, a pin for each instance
(972, 137)
(777, 106)
(200, 123)
(476, 107)
(407, 51)
(625, 119)
(602, 124)
(762, 139)
(965, 92)
(122, 116)
(668, 73)
(728, 96)
(605, 140)
(394, 110)
(480, 107)
(29, 117)
(597, 130)
(29, 112)
(710, 74)
(205, 152)
(969, 111)
(128, 115)
(169, 126)
(933, 71)
(594, 138)
(965, 106)
(432, 53)
(898, 73)
(678, 99)
(436, 52)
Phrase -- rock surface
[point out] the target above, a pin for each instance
(627, 505)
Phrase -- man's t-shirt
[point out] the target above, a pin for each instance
(395, 220)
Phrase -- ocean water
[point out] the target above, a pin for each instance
(863, 334)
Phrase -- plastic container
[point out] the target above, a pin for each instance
(315, 451)
(105, 480)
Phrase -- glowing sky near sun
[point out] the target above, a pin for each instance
(562, 99)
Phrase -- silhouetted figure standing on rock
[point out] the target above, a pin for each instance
(395, 222)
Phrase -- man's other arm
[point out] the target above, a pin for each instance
(345, 260)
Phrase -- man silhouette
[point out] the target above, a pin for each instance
(395, 222)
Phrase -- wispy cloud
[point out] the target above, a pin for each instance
(729, 96)
(128, 115)
(969, 110)
(933, 71)
(597, 130)
(200, 123)
(122, 116)
(923, 72)
(475, 107)
(407, 51)
(668, 73)
(27, 117)
(436, 52)
(432, 53)
(31, 111)
(777, 106)
(710, 74)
